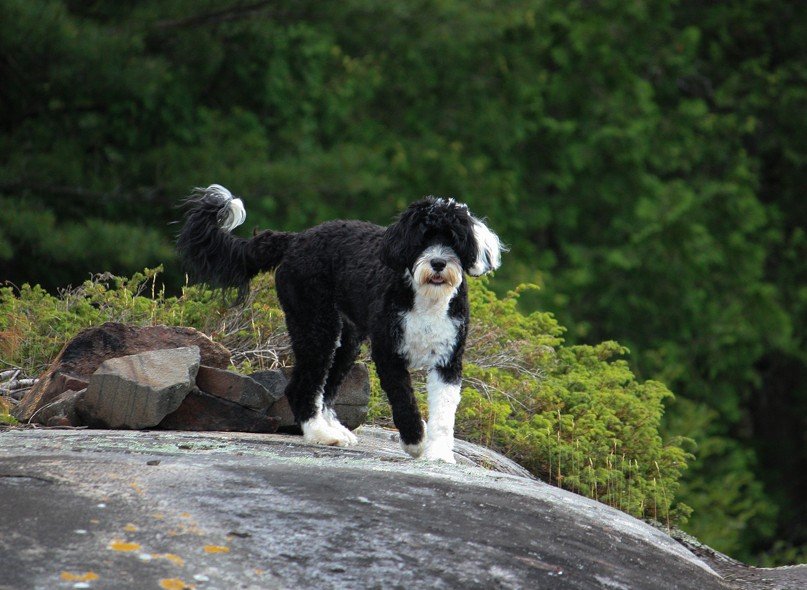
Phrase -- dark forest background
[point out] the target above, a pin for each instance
(645, 161)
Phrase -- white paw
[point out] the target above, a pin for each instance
(319, 431)
(415, 450)
(439, 450)
(330, 417)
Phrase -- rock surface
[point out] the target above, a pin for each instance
(139, 390)
(82, 356)
(132, 510)
(234, 387)
(201, 411)
(62, 410)
(352, 399)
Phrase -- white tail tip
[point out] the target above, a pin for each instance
(233, 213)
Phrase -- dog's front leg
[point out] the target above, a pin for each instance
(396, 383)
(444, 396)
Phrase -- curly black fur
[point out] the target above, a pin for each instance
(424, 222)
(216, 257)
(339, 283)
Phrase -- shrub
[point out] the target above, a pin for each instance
(34, 324)
(575, 416)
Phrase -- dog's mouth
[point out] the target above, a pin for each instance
(436, 280)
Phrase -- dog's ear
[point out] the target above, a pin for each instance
(396, 244)
(393, 250)
(489, 248)
(403, 239)
(464, 243)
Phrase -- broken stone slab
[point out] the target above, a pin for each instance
(352, 399)
(234, 387)
(139, 390)
(62, 410)
(202, 411)
(82, 356)
(286, 422)
(67, 382)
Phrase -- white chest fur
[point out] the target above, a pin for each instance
(429, 334)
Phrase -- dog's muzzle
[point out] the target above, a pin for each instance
(438, 267)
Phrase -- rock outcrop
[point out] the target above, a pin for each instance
(118, 376)
(82, 356)
(231, 510)
(139, 390)
(236, 388)
(351, 404)
(203, 411)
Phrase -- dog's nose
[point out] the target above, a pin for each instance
(438, 264)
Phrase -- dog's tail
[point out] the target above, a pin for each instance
(211, 254)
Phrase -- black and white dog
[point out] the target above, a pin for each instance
(342, 281)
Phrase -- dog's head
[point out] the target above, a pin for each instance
(436, 240)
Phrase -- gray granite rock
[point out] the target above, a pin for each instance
(352, 399)
(139, 390)
(82, 356)
(234, 387)
(266, 511)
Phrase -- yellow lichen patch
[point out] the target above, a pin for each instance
(85, 577)
(130, 528)
(184, 514)
(175, 559)
(94, 521)
(118, 545)
(158, 516)
(174, 584)
(216, 549)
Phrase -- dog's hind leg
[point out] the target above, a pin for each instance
(346, 352)
(314, 328)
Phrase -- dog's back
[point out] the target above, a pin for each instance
(340, 260)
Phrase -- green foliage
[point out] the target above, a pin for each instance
(644, 160)
(5, 414)
(575, 416)
(34, 325)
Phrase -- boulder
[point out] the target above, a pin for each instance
(202, 411)
(269, 511)
(82, 356)
(235, 387)
(67, 382)
(139, 390)
(352, 399)
(62, 411)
